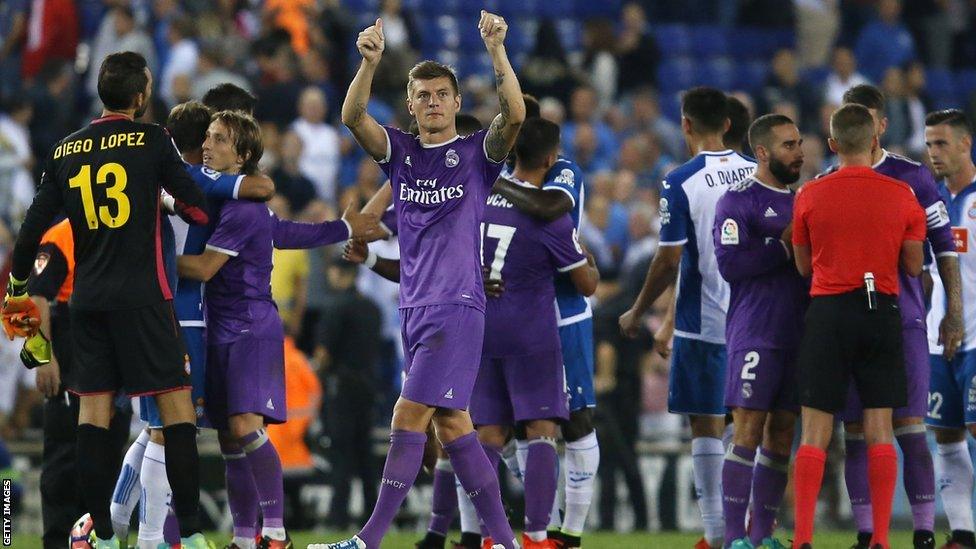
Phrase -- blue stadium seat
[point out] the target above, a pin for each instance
(354, 6)
(747, 43)
(440, 7)
(709, 41)
(673, 40)
(469, 33)
(516, 8)
(586, 9)
(474, 8)
(440, 32)
(670, 104)
(674, 75)
(939, 83)
(966, 83)
(750, 75)
(550, 9)
(717, 72)
(945, 102)
(476, 64)
(815, 76)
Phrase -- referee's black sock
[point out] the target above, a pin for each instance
(96, 475)
(183, 470)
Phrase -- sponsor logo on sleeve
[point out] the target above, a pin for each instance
(566, 177)
(961, 237)
(211, 173)
(40, 262)
(730, 233)
(665, 213)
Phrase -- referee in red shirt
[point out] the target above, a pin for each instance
(852, 230)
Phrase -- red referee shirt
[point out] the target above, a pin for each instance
(854, 221)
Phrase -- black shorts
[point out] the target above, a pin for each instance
(845, 340)
(137, 350)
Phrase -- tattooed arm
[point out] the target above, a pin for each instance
(367, 131)
(504, 128)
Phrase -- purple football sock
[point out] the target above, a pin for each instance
(402, 465)
(266, 469)
(856, 477)
(445, 504)
(480, 480)
(768, 485)
(242, 493)
(171, 529)
(919, 477)
(736, 486)
(540, 477)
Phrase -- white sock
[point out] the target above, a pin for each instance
(156, 494)
(128, 484)
(954, 481)
(244, 543)
(510, 457)
(555, 516)
(579, 471)
(727, 435)
(467, 512)
(707, 455)
(274, 533)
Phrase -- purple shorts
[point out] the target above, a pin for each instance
(917, 369)
(246, 376)
(520, 388)
(762, 379)
(442, 344)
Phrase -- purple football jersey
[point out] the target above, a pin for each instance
(439, 194)
(238, 298)
(768, 296)
(526, 253)
(911, 298)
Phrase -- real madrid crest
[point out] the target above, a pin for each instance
(451, 158)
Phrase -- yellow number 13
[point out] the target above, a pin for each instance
(82, 181)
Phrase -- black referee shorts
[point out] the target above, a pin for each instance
(843, 339)
(136, 350)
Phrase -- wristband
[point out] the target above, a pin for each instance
(370, 259)
(16, 288)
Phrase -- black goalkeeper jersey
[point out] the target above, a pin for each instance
(106, 178)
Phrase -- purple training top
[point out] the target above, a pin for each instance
(526, 253)
(768, 296)
(439, 193)
(238, 298)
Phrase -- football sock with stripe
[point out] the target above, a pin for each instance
(736, 488)
(479, 477)
(919, 475)
(579, 473)
(768, 486)
(266, 468)
(156, 494)
(856, 478)
(242, 495)
(127, 487)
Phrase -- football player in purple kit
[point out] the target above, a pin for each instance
(440, 182)
(245, 364)
(766, 306)
(919, 475)
(521, 379)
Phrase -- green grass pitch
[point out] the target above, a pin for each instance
(400, 540)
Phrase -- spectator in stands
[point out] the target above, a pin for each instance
(315, 72)
(13, 29)
(164, 12)
(118, 32)
(817, 23)
(399, 29)
(212, 70)
(884, 42)
(52, 94)
(16, 161)
(813, 158)
(289, 279)
(930, 22)
(320, 143)
(645, 115)
(546, 71)
(292, 17)
(303, 395)
(183, 55)
(277, 85)
(52, 34)
(599, 61)
(586, 148)
(584, 111)
(899, 126)
(843, 76)
(368, 179)
(643, 227)
(289, 180)
(784, 85)
(348, 354)
(593, 232)
(637, 51)
(917, 105)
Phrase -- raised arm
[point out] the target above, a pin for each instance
(367, 131)
(291, 235)
(504, 128)
(543, 204)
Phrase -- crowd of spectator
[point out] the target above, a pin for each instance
(609, 72)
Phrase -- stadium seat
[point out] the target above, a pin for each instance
(746, 43)
(966, 83)
(815, 76)
(939, 83)
(673, 40)
(586, 9)
(670, 104)
(750, 76)
(441, 7)
(469, 33)
(474, 8)
(550, 9)
(471, 64)
(570, 33)
(709, 41)
(516, 8)
(674, 75)
(440, 32)
(717, 72)
(369, 6)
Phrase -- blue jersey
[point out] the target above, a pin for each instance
(566, 176)
(180, 238)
